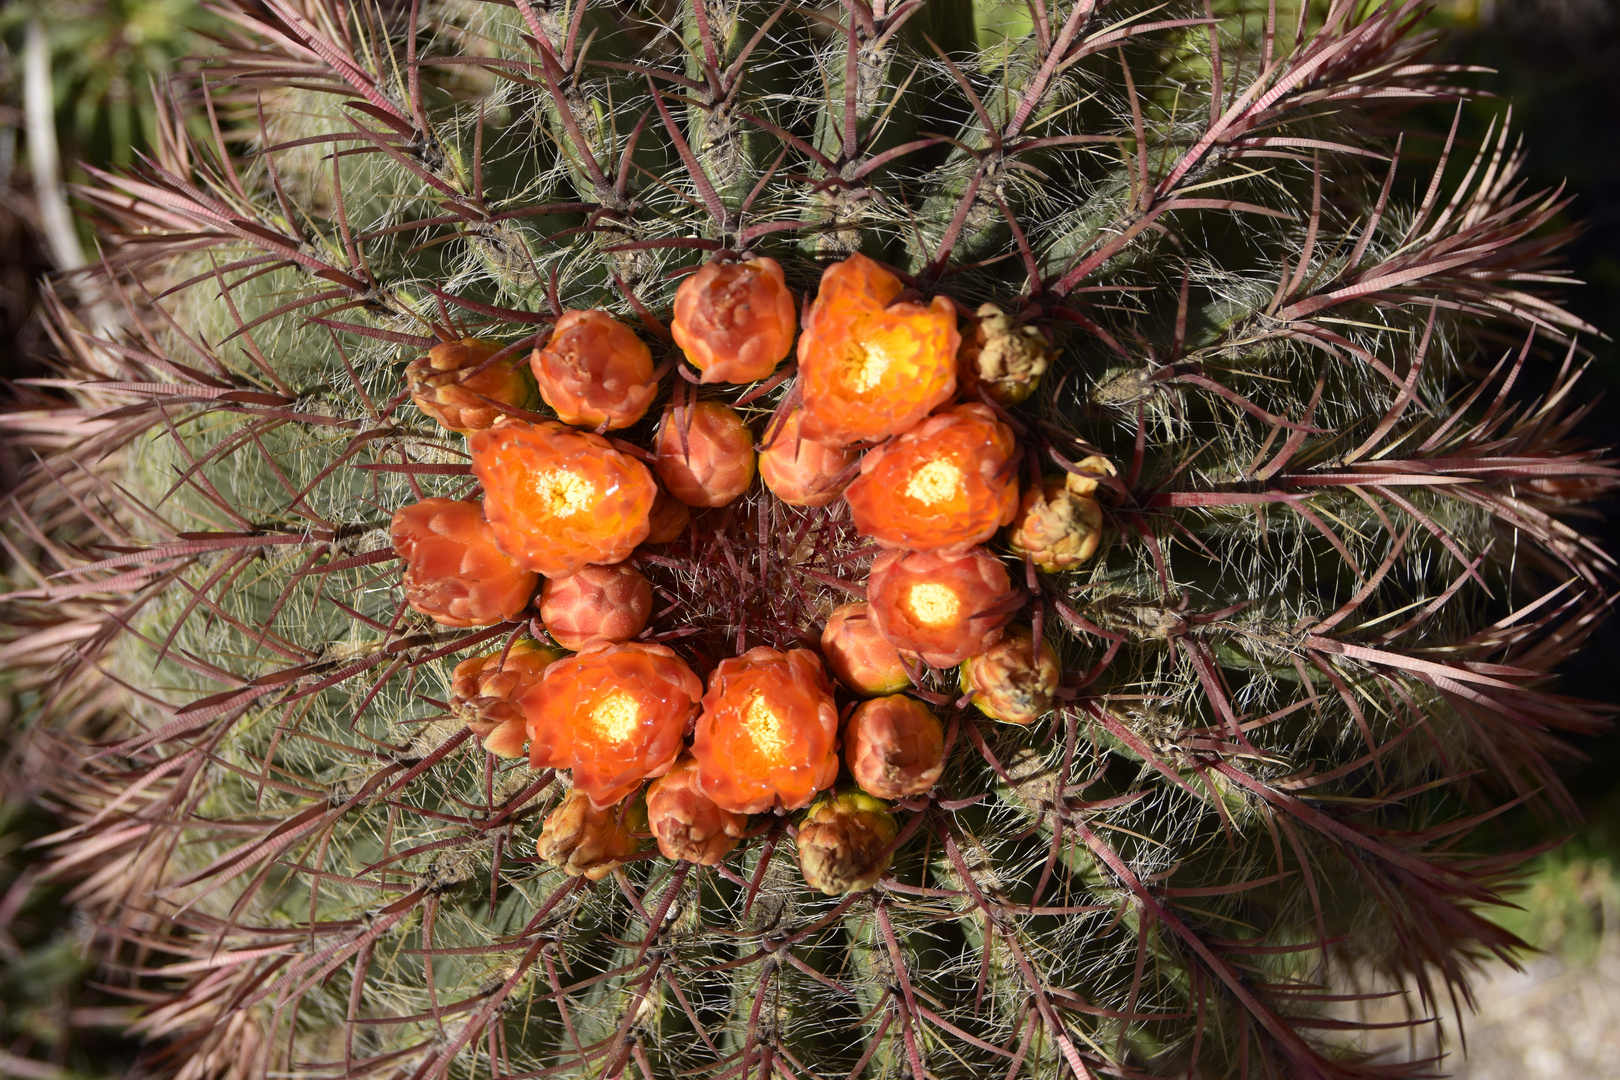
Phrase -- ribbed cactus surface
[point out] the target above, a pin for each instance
(1304, 570)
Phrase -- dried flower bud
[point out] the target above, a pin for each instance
(735, 321)
(1008, 683)
(614, 714)
(668, 520)
(687, 823)
(948, 482)
(800, 471)
(454, 572)
(895, 747)
(870, 368)
(484, 691)
(1007, 362)
(455, 383)
(1059, 529)
(943, 607)
(859, 656)
(583, 840)
(559, 500)
(1087, 475)
(844, 843)
(600, 603)
(768, 735)
(704, 454)
(595, 370)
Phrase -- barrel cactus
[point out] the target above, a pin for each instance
(1056, 537)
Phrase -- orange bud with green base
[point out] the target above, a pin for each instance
(768, 735)
(944, 607)
(455, 384)
(560, 500)
(454, 572)
(1009, 682)
(801, 471)
(894, 746)
(735, 321)
(584, 840)
(687, 823)
(594, 370)
(600, 603)
(859, 656)
(615, 714)
(484, 690)
(704, 454)
(844, 843)
(950, 481)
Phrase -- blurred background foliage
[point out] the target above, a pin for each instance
(1555, 61)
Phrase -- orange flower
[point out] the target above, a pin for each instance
(668, 520)
(687, 823)
(583, 840)
(452, 382)
(768, 735)
(944, 607)
(869, 368)
(559, 500)
(1059, 528)
(948, 482)
(860, 657)
(600, 603)
(895, 747)
(800, 471)
(1008, 683)
(615, 714)
(484, 691)
(735, 321)
(595, 369)
(704, 454)
(454, 572)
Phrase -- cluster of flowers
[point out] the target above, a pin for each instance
(877, 374)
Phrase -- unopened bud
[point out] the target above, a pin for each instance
(1058, 528)
(860, 657)
(844, 843)
(455, 383)
(600, 603)
(484, 691)
(687, 823)
(1007, 361)
(580, 840)
(894, 746)
(1008, 682)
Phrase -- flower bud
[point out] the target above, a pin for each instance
(595, 370)
(801, 471)
(1058, 528)
(454, 572)
(704, 454)
(895, 747)
(668, 520)
(1007, 362)
(687, 823)
(943, 607)
(484, 691)
(1008, 683)
(600, 603)
(859, 656)
(843, 843)
(455, 383)
(579, 839)
(735, 321)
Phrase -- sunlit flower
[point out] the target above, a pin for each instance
(595, 369)
(860, 657)
(735, 320)
(456, 382)
(1008, 682)
(844, 843)
(768, 735)
(1003, 360)
(558, 499)
(484, 691)
(615, 714)
(600, 603)
(944, 607)
(704, 454)
(894, 746)
(454, 572)
(803, 472)
(687, 823)
(584, 840)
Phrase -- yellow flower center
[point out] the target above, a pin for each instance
(561, 493)
(616, 717)
(933, 604)
(935, 482)
(867, 363)
(764, 727)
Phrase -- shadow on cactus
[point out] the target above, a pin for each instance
(1146, 520)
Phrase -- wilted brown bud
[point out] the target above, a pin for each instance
(1005, 360)
(843, 843)
(581, 840)
(668, 520)
(687, 823)
(1058, 528)
(606, 603)
(860, 657)
(894, 746)
(1008, 682)
(484, 692)
(452, 382)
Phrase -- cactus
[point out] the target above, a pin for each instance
(1267, 487)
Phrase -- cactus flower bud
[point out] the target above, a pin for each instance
(1007, 362)
(870, 368)
(800, 471)
(687, 823)
(581, 839)
(735, 321)
(843, 843)
(600, 603)
(614, 714)
(454, 572)
(668, 520)
(768, 735)
(1057, 527)
(559, 500)
(948, 482)
(455, 383)
(944, 607)
(704, 454)
(895, 747)
(860, 657)
(1008, 682)
(484, 691)
(595, 370)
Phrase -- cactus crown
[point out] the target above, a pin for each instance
(1332, 577)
